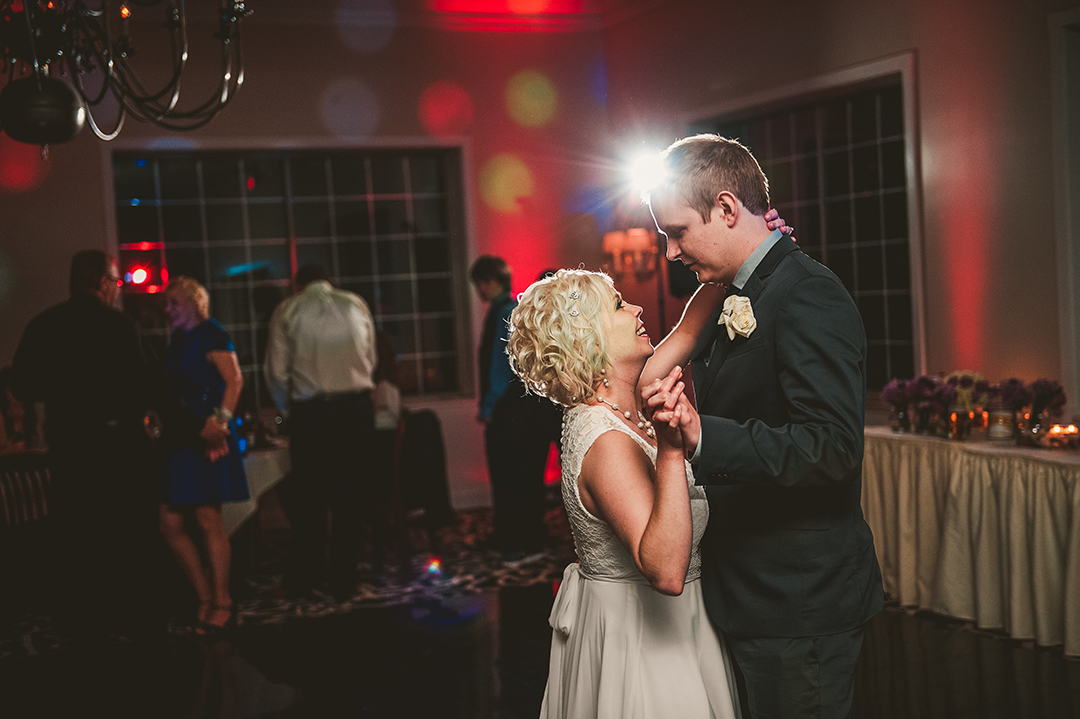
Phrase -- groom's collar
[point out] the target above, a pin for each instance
(751, 263)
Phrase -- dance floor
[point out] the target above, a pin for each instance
(465, 638)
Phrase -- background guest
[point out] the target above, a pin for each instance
(320, 358)
(202, 368)
(84, 361)
(516, 449)
(12, 417)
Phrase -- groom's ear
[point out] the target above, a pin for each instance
(727, 206)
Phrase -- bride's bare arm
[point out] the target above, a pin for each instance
(674, 350)
(649, 512)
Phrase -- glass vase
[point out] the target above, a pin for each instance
(1000, 423)
(924, 420)
(900, 419)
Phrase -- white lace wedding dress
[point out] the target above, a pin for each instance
(620, 649)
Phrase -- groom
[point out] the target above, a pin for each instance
(790, 576)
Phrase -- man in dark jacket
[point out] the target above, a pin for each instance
(789, 570)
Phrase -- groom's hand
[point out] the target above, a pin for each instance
(664, 403)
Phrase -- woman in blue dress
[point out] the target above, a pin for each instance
(202, 368)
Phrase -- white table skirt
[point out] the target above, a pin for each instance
(264, 469)
(980, 531)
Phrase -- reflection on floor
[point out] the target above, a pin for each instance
(469, 642)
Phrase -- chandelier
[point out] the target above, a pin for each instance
(52, 48)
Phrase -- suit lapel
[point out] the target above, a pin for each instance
(752, 290)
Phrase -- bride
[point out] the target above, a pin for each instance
(631, 639)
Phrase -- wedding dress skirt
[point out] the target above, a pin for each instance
(620, 649)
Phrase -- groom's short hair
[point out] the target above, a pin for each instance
(700, 167)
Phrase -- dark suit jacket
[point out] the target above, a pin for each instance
(787, 552)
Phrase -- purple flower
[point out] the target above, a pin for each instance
(1015, 394)
(897, 392)
(944, 397)
(1047, 395)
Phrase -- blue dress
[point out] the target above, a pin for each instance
(186, 476)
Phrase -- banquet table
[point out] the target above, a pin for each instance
(264, 468)
(978, 530)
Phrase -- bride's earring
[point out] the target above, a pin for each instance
(607, 382)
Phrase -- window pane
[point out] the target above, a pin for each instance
(387, 175)
(864, 117)
(432, 254)
(806, 131)
(308, 176)
(352, 218)
(894, 210)
(349, 175)
(391, 217)
(136, 223)
(438, 332)
(265, 299)
(224, 222)
(807, 172)
(842, 262)
(897, 266)
(269, 262)
(867, 219)
(221, 177)
(892, 111)
(396, 297)
(834, 124)
(440, 374)
(265, 177)
(189, 262)
(179, 180)
(315, 254)
(429, 215)
(901, 361)
(900, 326)
(877, 373)
(230, 305)
(393, 257)
(893, 169)
(225, 262)
(435, 295)
(182, 223)
(311, 219)
(780, 185)
(404, 336)
(837, 223)
(864, 163)
(354, 258)
(871, 272)
(426, 173)
(267, 220)
(133, 178)
(836, 174)
(872, 309)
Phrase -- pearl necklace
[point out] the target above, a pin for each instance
(642, 422)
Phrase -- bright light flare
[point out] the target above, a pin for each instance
(139, 276)
(647, 172)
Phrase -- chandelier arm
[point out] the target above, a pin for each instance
(106, 136)
(76, 77)
(129, 79)
(33, 45)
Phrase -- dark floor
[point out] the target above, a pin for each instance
(468, 640)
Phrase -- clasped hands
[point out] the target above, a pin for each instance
(215, 433)
(671, 413)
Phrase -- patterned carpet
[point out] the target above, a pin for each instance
(419, 576)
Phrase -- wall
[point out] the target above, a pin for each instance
(984, 114)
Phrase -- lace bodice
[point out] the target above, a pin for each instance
(599, 551)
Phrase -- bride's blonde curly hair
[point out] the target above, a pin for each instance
(557, 345)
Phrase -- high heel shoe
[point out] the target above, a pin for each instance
(207, 628)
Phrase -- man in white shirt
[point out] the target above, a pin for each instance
(320, 358)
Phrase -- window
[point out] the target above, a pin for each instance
(384, 224)
(837, 174)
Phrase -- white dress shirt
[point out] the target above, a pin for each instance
(322, 342)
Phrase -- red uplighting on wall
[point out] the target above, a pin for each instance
(445, 109)
(509, 15)
(521, 7)
(21, 166)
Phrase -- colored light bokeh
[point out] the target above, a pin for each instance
(519, 7)
(445, 109)
(504, 181)
(21, 166)
(173, 143)
(366, 25)
(531, 98)
(350, 109)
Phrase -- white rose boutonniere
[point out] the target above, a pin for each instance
(738, 317)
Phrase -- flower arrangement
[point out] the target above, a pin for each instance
(897, 393)
(971, 389)
(1014, 394)
(1048, 396)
